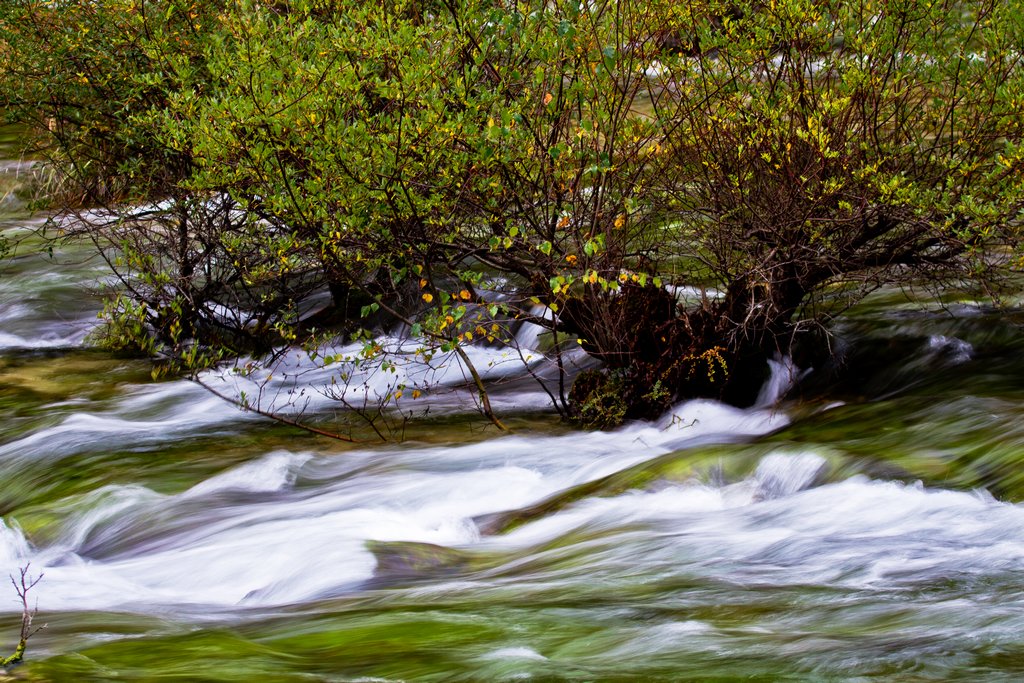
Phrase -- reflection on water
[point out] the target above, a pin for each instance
(869, 530)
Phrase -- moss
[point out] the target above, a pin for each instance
(19, 652)
(599, 399)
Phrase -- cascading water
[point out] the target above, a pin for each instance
(783, 376)
(528, 336)
(180, 537)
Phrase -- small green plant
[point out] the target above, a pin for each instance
(125, 329)
(598, 399)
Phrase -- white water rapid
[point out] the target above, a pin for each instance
(716, 541)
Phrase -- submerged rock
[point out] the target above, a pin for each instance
(409, 560)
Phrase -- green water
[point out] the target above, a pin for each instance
(867, 528)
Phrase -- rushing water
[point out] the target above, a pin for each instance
(868, 530)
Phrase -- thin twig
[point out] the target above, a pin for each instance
(274, 416)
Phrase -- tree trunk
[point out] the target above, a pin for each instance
(656, 354)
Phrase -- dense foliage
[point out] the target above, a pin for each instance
(689, 187)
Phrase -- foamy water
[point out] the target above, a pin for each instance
(252, 531)
(697, 540)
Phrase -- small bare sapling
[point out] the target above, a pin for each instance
(22, 586)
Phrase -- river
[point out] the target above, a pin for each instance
(866, 528)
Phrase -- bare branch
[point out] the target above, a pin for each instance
(22, 586)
